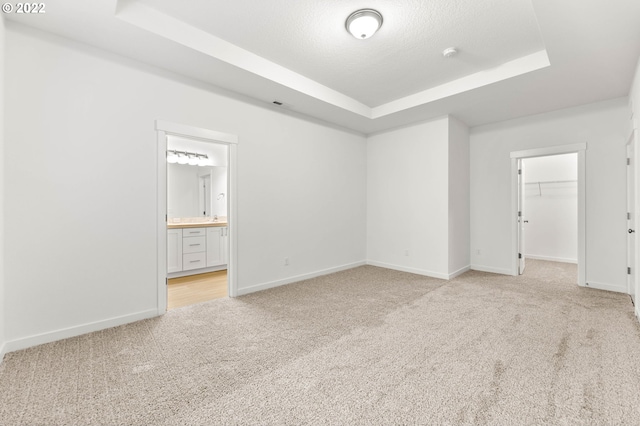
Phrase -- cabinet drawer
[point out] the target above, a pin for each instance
(194, 232)
(194, 244)
(194, 261)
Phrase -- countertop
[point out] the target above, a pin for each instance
(178, 225)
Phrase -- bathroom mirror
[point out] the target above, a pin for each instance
(194, 191)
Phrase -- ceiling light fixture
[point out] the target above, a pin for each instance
(364, 23)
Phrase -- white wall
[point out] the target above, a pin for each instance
(417, 198)
(182, 190)
(407, 198)
(83, 242)
(551, 209)
(603, 127)
(2, 172)
(219, 186)
(458, 218)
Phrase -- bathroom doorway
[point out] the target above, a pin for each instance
(196, 215)
(197, 225)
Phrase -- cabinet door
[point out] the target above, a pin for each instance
(174, 250)
(215, 246)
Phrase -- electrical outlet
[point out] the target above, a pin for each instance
(406, 252)
(286, 261)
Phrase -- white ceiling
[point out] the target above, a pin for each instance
(516, 57)
(405, 56)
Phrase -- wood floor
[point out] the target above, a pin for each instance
(199, 288)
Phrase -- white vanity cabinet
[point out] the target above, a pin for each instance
(174, 250)
(194, 248)
(217, 245)
(191, 249)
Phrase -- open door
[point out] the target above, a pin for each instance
(521, 222)
(631, 213)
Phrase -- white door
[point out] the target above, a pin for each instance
(631, 213)
(521, 233)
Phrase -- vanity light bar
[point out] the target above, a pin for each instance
(186, 157)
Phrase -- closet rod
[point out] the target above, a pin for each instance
(550, 181)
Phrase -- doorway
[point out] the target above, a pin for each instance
(196, 227)
(521, 185)
(223, 237)
(549, 209)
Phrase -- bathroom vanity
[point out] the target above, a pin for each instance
(196, 247)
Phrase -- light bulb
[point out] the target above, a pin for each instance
(193, 160)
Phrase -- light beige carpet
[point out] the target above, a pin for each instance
(365, 346)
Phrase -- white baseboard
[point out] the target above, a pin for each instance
(550, 259)
(278, 283)
(416, 271)
(491, 269)
(52, 336)
(459, 272)
(3, 351)
(608, 287)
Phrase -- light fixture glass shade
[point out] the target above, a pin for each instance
(182, 159)
(204, 161)
(172, 157)
(193, 160)
(364, 23)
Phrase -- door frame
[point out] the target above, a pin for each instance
(580, 149)
(164, 129)
(633, 182)
(520, 218)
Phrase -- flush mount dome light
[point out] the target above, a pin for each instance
(364, 23)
